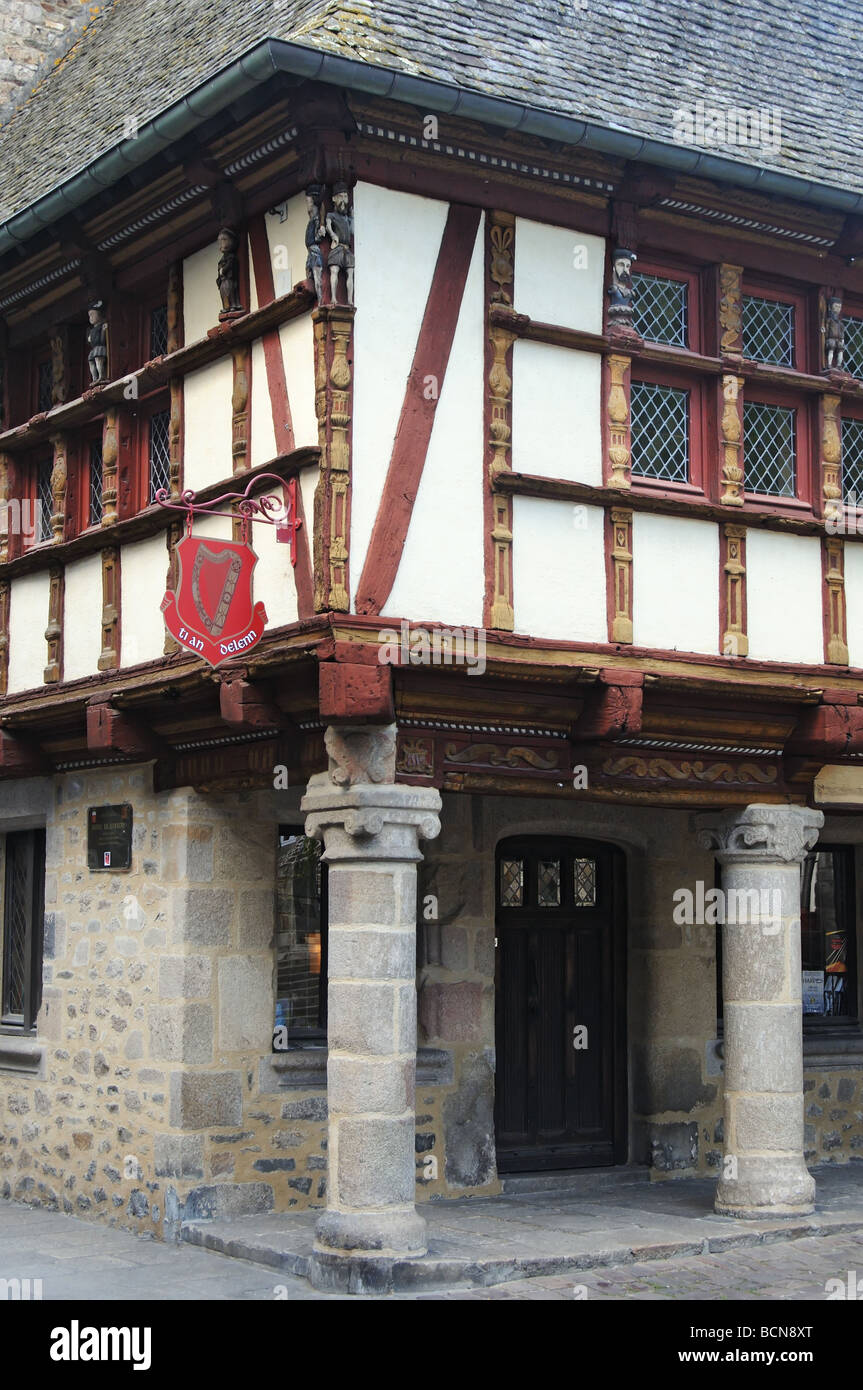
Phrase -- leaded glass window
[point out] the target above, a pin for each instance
(584, 882)
(852, 360)
(301, 946)
(160, 452)
(159, 331)
(44, 499)
(548, 883)
(768, 330)
(23, 913)
(96, 508)
(660, 432)
(660, 309)
(511, 882)
(769, 455)
(45, 386)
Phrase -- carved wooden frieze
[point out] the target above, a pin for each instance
(731, 435)
(735, 641)
(502, 755)
(54, 631)
(836, 622)
(620, 567)
(659, 769)
(109, 657)
(730, 311)
(617, 420)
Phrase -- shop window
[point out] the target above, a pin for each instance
(827, 936)
(768, 330)
(769, 449)
(23, 912)
(852, 462)
(852, 360)
(660, 432)
(660, 309)
(301, 944)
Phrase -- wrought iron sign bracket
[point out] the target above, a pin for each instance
(272, 510)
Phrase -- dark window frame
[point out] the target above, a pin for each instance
(315, 1037)
(30, 843)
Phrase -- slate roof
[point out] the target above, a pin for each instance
(626, 64)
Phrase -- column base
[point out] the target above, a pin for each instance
(389, 1234)
(767, 1187)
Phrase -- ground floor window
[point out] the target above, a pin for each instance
(23, 914)
(301, 942)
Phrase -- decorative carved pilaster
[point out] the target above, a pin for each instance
(175, 435)
(500, 435)
(333, 331)
(836, 625)
(731, 435)
(242, 358)
(109, 658)
(5, 465)
(54, 630)
(617, 421)
(621, 575)
(110, 454)
(501, 234)
(58, 488)
(173, 536)
(60, 366)
(731, 311)
(735, 641)
(831, 458)
(174, 306)
(5, 589)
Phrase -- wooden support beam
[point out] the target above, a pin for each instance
(613, 708)
(21, 756)
(242, 703)
(111, 730)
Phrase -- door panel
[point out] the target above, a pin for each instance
(559, 967)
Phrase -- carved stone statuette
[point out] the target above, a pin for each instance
(834, 334)
(621, 291)
(315, 233)
(97, 342)
(228, 275)
(340, 229)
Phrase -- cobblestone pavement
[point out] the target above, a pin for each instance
(79, 1260)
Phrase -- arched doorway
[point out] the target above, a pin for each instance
(560, 1004)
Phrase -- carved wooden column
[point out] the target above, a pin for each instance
(175, 384)
(5, 590)
(730, 311)
(242, 360)
(735, 641)
(333, 336)
(617, 424)
(835, 615)
(731, 439)
(54, 631)
(5, 466)
(498, 506)
(831, 458)
(60, 391)
(620, 575)
(110, 452)
(58, 488)
(109, 658)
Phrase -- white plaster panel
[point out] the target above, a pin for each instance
(82, 618)
(440, 577)
(558, 561)
(288, 245)
(263, 437)
(201, 302)
(558, 275)
(143, 574)
(274, 584)
(391, 291)
(208, 424)
(675, 583)
(556, 429)
(28, 619)
(783, 597)
(854, 601)
(308, 484)
(298, 353)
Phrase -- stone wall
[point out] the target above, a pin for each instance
(33, 34)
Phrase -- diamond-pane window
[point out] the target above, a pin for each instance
(659, 311)
(769, 461)
(44, 499)
(96, 508)
(159, 331)
(768, 330)
(548, 883)
(511, 882)
(852, 360)
(160, 452)
(584, 882)
(660, 432)
(852, 462)
(23, 913)
(44, 393)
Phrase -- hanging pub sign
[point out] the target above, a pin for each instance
(212, 610)
(109, 837)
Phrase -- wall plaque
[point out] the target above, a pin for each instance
(109, 838)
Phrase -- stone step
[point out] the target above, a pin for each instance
(581, 1181)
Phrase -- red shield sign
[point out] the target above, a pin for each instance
(211, 613)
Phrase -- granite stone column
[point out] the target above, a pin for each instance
(761, 849)
(370, 828)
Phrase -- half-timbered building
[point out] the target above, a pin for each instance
(528, 837)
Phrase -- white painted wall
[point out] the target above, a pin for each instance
(208, 424)
(82, 618)
(143, 572)
(675, 583)
(391, 292)
(558, 562)
(558, 275)
(298, 352)
(274, 584)
(201, 302)
(288, 244)
(556, 430)
(263, 439)
(783, 596)
(440, 577)
(308, 484)
(854, 601)
(28, 619)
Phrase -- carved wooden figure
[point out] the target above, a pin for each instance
(340, 229)
(621, 291)
(97, 342)
(315, 233)
(228, 275)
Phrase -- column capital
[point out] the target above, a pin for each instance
(760, 833)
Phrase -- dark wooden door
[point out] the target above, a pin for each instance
(560, 1089)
